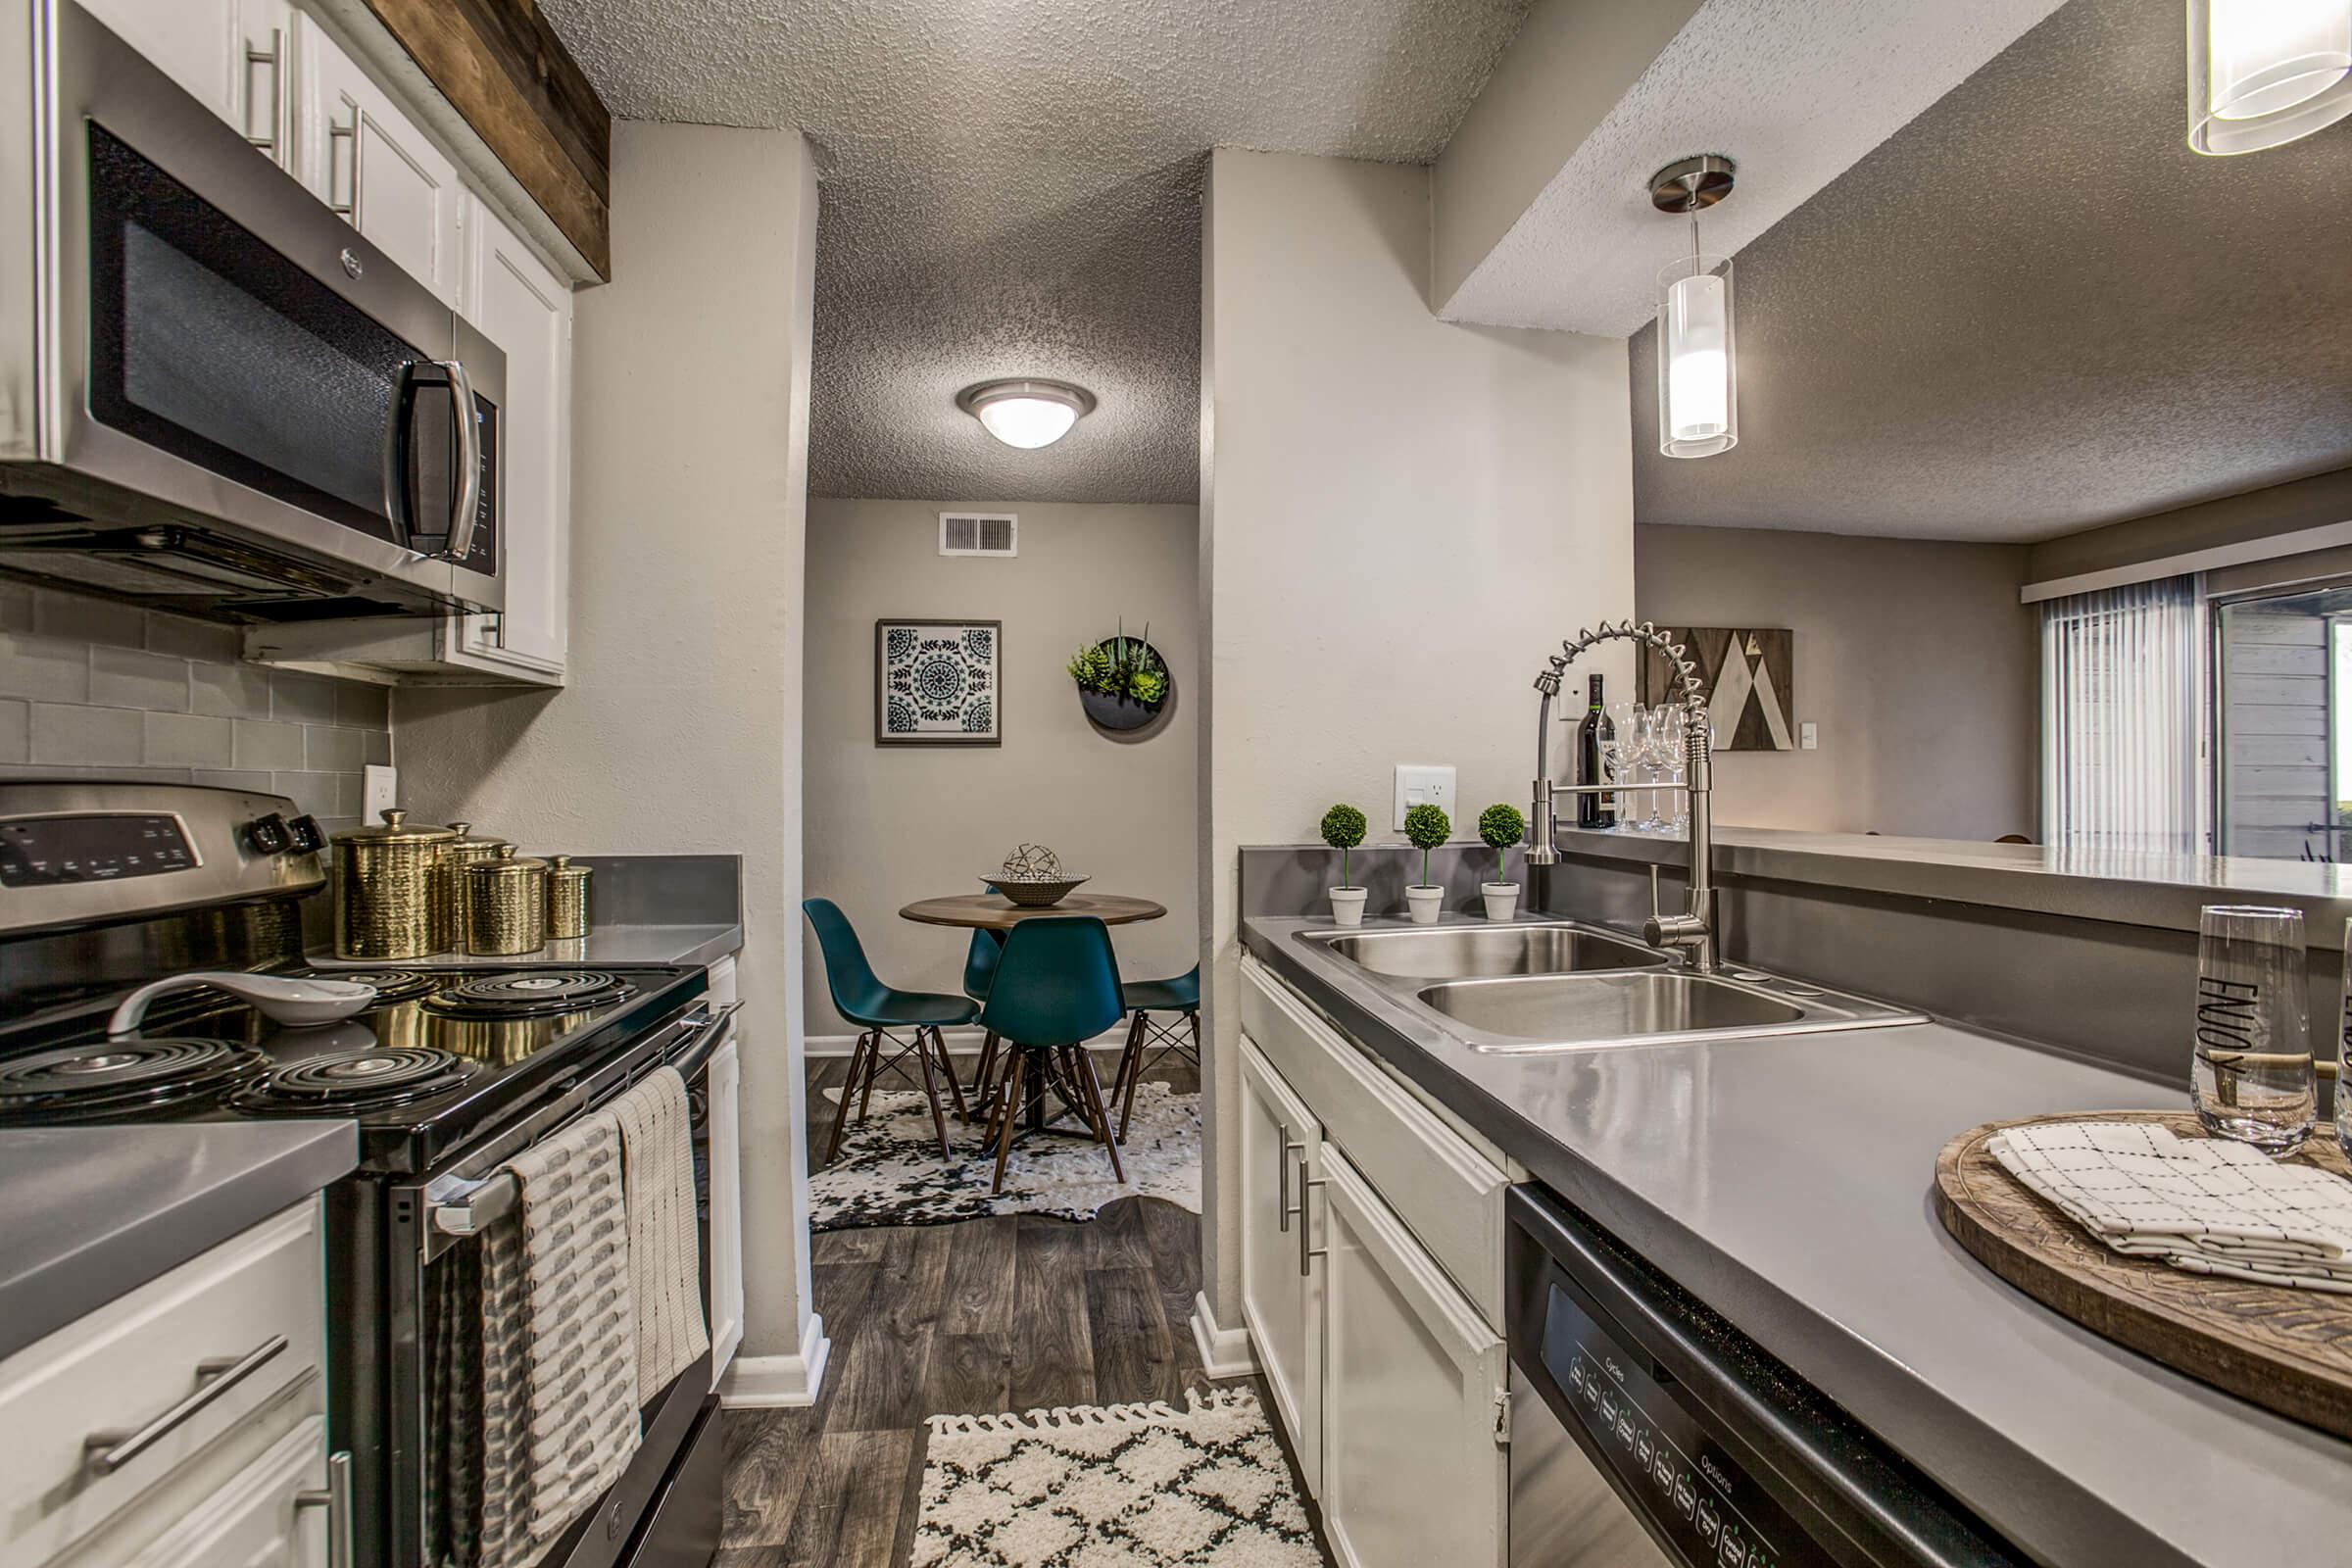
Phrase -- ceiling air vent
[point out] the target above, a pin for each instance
(979, 533)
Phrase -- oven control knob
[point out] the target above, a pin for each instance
(269, 834)
(307, 836)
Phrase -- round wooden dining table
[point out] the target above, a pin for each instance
(992, 911)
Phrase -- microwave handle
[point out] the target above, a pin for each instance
(462, 517)
(398, 504)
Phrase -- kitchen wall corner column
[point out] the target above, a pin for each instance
(1396, 514)
(679, 728)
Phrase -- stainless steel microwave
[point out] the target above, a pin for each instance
(215, 395)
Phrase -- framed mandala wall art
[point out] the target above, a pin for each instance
(939, 682)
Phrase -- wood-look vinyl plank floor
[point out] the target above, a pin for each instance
(1005, 1314)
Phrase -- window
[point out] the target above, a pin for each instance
(2284, 665)
(2120, 672)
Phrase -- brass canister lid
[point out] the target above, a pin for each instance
(561, 869)
(396, 830)
(468, 842)
(502, 862)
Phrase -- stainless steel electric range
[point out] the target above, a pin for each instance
(105, 888)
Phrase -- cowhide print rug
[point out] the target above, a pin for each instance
(890, 1172)
(1107, 1486)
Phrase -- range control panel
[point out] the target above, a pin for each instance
(1660, 1461)
(46, 851)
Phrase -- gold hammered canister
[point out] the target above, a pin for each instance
(464, 850)
(505, 904)
(566, 898)
(387, 889)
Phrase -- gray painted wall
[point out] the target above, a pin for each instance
(887, 826)
(93, 689)
(1914, 656)
(679, 730)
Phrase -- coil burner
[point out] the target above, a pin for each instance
(530, 994)
(367, 1078)
(114, 1075)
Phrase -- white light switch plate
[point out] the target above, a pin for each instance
(1808, 737)
(379, 792)
(1423, 786)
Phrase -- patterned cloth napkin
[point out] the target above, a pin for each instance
(2208, 1205)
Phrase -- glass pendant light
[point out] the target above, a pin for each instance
(1698, 380)
(2263, 72)
(1026, 413)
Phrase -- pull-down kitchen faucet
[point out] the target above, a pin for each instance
(1692, 932)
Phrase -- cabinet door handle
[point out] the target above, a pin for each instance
(106, 1452)
(1283, 1176)
(336, 1500)
(274, 57)
(1306, 1254)
(350, 210)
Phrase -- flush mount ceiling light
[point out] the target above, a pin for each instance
(2263, 72)
(1027, 414)
(1698, 384)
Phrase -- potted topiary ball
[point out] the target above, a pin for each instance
(1425, 828)
(1500, 826)
(1344, 830)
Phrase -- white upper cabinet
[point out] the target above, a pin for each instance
(232, 55)
(371, 163)
(525, 308)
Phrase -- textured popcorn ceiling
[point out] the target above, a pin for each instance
(2033, 310)
(1012, 188)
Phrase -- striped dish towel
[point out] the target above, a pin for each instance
(579, 1356)
(2206, 1205)
(656, 1139)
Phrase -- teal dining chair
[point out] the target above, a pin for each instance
(860, 997)
(1180, 996)
(1057, 987)
(979, 968)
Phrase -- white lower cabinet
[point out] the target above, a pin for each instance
(1371, 1288)
(1282, 1291)
(1415, 1464)
(268, 1516)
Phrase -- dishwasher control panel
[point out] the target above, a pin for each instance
(1685, 1486)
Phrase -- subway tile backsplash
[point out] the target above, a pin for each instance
(91, 689)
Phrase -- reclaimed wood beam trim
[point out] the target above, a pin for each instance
(507, 73)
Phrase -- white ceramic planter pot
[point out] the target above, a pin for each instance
(1424, 905)
(1502, 899)
(1347, 905)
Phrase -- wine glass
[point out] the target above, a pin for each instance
(1674, 732)
(1621, 757)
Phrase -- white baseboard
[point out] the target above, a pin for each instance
(779, 1382)
(964, 1042)
(1224, 1353)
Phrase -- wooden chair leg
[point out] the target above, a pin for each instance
(963, 1112)
(939, 1122)
(1012, 1081)
(1123, 1090)
(848, 1090)
(873, 1070)
(1095, 1111)
(982, 1075)
(1131, 1058)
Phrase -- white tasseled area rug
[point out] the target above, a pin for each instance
(1132, 1486)
(890, 1172)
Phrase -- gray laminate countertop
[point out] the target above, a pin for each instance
(698, 946)
(1786, 1182)
(88, 1213)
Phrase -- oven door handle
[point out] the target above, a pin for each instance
(456, 1206)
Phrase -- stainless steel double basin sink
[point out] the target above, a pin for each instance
(1558, 986)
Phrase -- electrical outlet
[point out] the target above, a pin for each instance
(379, 792)
(1808, 737)
(1423, 786)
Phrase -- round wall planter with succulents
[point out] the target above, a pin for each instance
(1123, 683)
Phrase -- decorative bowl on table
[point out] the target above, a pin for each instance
(1032, 893)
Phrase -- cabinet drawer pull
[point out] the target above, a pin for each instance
(336, 1500)
(275, 144)
(1281, 1175)
(348, 211)
(1306, 1254)
(108, 1451)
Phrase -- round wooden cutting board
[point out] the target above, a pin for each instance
(2287, 1349)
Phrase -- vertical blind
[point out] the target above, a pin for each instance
(2120, 718)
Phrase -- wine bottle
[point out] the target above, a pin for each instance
(1593, 738)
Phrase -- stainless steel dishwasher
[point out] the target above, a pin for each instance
(1648, 1433)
